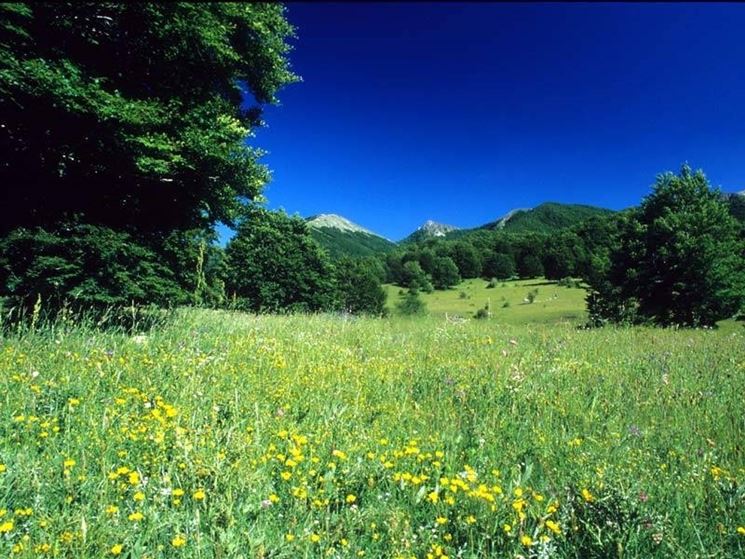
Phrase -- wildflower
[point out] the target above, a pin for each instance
(441, 520)
(741, 530)
(3, 468)
(526, 540)
(116, 549)
(112, 509)
(315, 538)
(289, 537)
(199, 495)
(134, 478)
(471, 519)
(178, 541)
(587, 496)
(6, 526)
(553, 526)
(136, 516)
(350, 499)
(507, 528)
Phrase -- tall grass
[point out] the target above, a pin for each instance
(220, 434)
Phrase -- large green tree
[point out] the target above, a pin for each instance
(135, 115)
(274, 265)
(679, 259)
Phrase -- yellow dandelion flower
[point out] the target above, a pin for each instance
(553, 526)
(178, 541)
(136, 516)
(587, 496)
(6, 526)
(139, 496)
(116, 549)
(441, 520)
(199, 495)
(526, 540)
(350, 499)
(315, 538)
(289, 537)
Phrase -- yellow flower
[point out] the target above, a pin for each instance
(315, 538)
(136, 516)
(441, 520)
(178, 492)
(139, 496)
(274, 498)
(526, 540)
(350, 499)
(289, 537)
(471, 519)
(178, 541)
(199, 495)
(741, 530)
(134, 478)
(3, 468)
(6, 526)
(112, 509)
(507, 528)
(553, 526)
(116, 549)
(587, 496)
(285, 475)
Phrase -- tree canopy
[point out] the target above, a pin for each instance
(679, 259)
(134, 115)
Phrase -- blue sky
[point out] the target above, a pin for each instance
(459, 112)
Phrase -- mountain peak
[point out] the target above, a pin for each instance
(436, 229)
(334, 221)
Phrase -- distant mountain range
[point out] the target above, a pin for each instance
(341, 237)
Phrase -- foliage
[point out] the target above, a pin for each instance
(359, 286)
(499, 265)
(274, 265)
(529, 266)
(83, 265)
(341, 243)
(413, 276)
(680, 259)
(411, 304)
(154, 141)
(444, 273)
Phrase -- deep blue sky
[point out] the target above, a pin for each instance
(460, 112)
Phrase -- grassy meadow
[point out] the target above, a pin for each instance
(222, 434)
(507, 301)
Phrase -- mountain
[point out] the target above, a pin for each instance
(341, 237)
(549, 216)
(430, 230)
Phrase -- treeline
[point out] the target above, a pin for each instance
(501, 255)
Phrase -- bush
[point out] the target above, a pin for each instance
(411, 304)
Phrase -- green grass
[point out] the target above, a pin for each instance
(552, 303)
(323, 436)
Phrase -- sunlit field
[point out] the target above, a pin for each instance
(507, 301)
(226, 435)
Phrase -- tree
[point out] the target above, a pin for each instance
(499, 265)
(680, 259)
(529, 266)
(275, 265)
(466, 257)
(444, 273)
(359, 288)
(413, 276)
(135, 116)
(86, 266)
